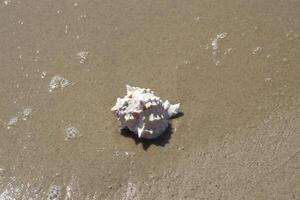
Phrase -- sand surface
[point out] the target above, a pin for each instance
(233, 65)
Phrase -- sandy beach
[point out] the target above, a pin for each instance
(233, 65)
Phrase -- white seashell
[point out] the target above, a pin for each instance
(144, 113)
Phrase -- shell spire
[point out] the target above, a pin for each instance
(129, 89)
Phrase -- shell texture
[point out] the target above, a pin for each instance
(144, 113)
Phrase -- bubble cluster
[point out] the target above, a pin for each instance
(215, 41)
(82, 56)
(23, 115)
(58, 82)
(54, 193)
(71, 133)
(257, 50)
(12, 122)
(215, 47)
(26, 113)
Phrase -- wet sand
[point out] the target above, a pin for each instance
(233, 66)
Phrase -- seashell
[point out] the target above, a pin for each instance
(143, 113)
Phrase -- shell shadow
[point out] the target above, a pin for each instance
(160, 141)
